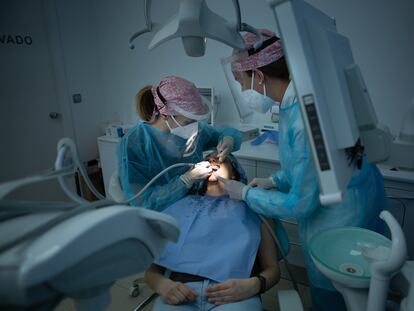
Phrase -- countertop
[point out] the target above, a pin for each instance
(270, 153)
(264, 152)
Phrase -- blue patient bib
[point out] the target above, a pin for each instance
(219, 238)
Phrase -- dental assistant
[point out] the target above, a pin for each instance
(293, 191)
(173, 129)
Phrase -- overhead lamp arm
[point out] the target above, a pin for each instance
(148, 24)
(246, 27)
(238, 15)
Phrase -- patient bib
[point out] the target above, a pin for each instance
(219, 238)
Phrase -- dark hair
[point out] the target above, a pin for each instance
(278, 69)
(145, 104)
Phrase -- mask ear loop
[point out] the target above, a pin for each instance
(168, 125)
(252, 82)
(176, 122)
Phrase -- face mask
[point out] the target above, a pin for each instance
(189, 133)
(256, 101)
(186, 132)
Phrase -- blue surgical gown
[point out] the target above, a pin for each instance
(297, 194)
(145, 151)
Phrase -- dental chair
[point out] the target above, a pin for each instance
(39, 271)
(51, 250)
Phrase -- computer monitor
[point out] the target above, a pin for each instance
(317, 57)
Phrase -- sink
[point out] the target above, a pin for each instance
(342, 254)
(360, 263)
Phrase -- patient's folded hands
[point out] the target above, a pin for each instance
(175, 293)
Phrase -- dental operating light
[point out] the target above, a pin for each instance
(194, 23)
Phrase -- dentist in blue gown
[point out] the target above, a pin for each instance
(293, 191)
(173, 129)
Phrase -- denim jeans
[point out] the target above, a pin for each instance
(202, 304)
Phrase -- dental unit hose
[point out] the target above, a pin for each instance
(66, 145)
(153, 180)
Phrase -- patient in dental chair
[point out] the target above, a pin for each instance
(225, 256)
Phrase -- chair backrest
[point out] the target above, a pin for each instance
(115, 189)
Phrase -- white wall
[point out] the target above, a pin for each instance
(78, 33)
(381, 34)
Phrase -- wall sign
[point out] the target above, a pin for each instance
(16, 39)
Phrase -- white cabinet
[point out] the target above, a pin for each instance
(265, 169)
(249, 167)
(107, 155)
(401, 205)
(255, 168)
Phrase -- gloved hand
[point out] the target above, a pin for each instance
(265, 183)
(234, 188)
(199, 172)
(224, 147)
